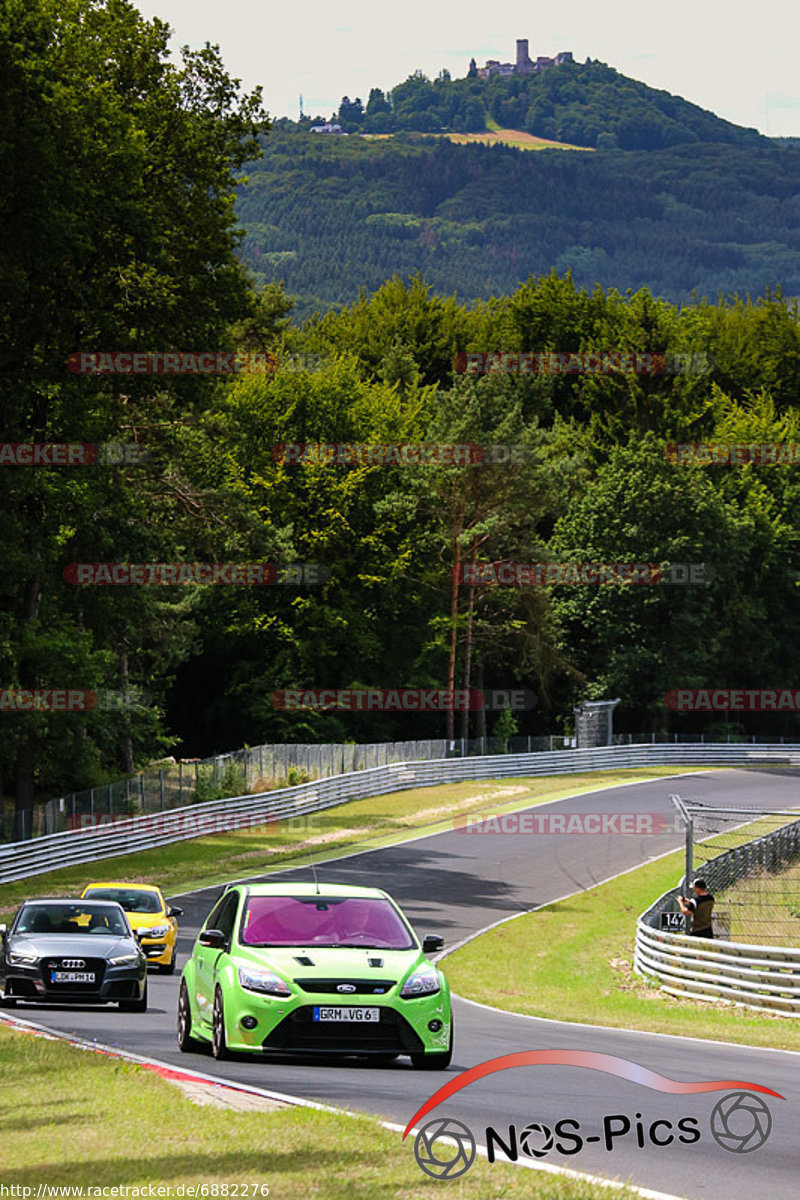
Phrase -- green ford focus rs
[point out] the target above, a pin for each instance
(309, 969)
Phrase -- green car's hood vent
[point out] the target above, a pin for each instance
(339, 964)
(305, 961)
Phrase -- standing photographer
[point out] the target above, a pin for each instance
(700, 908)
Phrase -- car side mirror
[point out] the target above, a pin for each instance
(174, 912)
(214, 938)
(431, 943)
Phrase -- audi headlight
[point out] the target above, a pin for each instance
(421, 983)
(155, 931)
(263, 981)
(22, 960)
(124, 960)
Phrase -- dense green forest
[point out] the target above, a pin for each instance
(329, 215)
(119, 171)
(587, 104)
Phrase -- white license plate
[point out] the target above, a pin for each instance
(71, 977)
(346, 1014)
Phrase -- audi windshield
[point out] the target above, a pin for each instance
(71, 919)
(366, 922)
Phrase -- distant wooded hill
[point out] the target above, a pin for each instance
(331, 215)
(588, 104)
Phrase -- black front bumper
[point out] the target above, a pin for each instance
(34, 984)
(299, 1033)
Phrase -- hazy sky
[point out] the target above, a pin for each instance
(739, 61)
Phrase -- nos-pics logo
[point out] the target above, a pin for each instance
(445, 1148)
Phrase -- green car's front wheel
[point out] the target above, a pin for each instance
(219, 1043)
(185, 1040)
(438, 1060)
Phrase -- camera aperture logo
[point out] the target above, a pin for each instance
(445, 1148)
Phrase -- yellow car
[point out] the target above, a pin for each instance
(153, 921)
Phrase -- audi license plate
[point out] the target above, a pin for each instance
(346, 1014)
(71, 977)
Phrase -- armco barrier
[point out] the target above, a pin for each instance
(19, 860)
(761, 977)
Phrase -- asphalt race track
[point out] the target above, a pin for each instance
(454, 884)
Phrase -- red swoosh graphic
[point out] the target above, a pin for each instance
(621, 1067)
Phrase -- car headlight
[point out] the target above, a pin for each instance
(22, 960)
(124, 960)
(155, 931)
(263, 981)
(421, 983)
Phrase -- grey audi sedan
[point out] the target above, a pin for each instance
(72, 951)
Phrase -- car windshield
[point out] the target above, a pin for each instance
(131, 900)
(80, 918)
(324, 921)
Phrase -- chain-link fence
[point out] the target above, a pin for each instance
(750, 860)
(169, 784)
(730, 739)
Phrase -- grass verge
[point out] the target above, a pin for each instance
(72, 1118)
(573, 961)
(512, 137)
(357, 825)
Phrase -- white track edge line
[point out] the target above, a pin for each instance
(507, 1012)
(553, 1169)
(298, 1102)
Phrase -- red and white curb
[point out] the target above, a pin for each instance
(180, 1076)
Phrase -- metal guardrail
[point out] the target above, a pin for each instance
(168, 784)
(766, 978)
(761, 977)
(19, 860)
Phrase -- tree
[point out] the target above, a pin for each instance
(118, 172)
(639, 642)
(377, 103)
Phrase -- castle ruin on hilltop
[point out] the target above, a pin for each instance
(524, 64)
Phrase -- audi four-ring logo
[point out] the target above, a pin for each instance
(74, 963)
